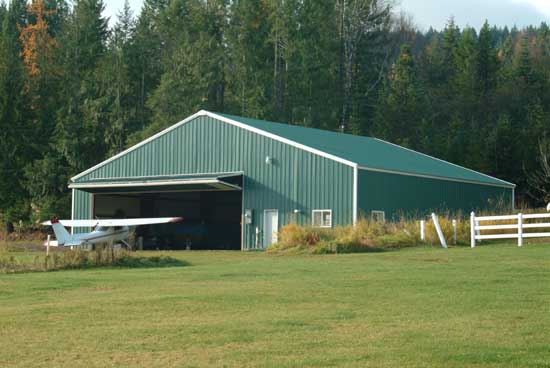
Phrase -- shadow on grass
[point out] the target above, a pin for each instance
(149, 262)
(375, 250)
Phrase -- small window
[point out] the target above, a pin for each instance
(378, 216)
(322, 218)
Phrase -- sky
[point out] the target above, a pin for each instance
(112, 7)
(436, 13)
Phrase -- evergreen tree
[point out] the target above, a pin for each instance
(78, 139)
(524, 69)
(465, 80)
(43, 76)
(79, 92)
(402, 104)
(195, 74)
(79, 131)
(356, 20)
(147, 49)
(115, 87)
(450, 44)
(251, 59)
(487, 68)
(13, 123)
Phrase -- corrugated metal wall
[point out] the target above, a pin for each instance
(296, 179)
(82, 208)
(408, 195)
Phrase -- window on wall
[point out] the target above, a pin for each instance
(378, 216)
(322, 218)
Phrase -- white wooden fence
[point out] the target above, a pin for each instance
(476, 227)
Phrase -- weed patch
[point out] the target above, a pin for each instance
(366, 236)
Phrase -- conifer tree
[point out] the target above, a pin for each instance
(402, 105)
(13, 123)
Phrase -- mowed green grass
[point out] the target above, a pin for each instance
(423, 307)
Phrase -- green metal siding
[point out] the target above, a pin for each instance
(409, 195)
(297, 179)
(82, 209)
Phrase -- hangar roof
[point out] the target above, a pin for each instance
(371, 153)
(364, 152)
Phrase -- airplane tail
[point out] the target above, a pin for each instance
(61, 233)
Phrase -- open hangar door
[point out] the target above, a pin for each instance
(211, 212)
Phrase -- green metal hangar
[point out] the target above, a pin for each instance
(236, 181)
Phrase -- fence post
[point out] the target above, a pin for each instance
(520, 229)
(423, 230)
(48, 245)
(473, 230)
(439, 232)
(454, 231)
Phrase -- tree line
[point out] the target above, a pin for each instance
(76, 87)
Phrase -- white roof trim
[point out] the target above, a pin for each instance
(511, 186)
(142, 143)
(504, 182)
(225, 120)
(281, 139)
(151, 184)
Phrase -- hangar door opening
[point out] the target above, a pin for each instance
(211, 213)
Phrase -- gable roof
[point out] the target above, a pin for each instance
(363, 152)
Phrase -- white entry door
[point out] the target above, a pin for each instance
(271, 227)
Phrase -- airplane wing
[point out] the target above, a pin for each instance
(117, 222)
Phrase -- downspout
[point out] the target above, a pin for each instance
(355, 198)
(72, 210)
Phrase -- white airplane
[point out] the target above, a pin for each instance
(105, 231)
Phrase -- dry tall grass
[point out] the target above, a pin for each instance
(364, 237)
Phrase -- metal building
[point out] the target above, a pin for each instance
(236, 181)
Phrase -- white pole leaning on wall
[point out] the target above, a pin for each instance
(439, 232)
(473, 230)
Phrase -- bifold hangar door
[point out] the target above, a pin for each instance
(211, 208)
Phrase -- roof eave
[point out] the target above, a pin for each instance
(451, 164)
(503, 184)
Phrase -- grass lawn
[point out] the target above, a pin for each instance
(488, 307)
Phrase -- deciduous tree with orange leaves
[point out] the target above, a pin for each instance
(37, 43)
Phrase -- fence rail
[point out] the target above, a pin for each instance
(476, 228)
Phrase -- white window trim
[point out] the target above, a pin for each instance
(313, 212)
(383, 213)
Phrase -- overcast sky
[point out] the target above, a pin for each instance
(435, 13)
